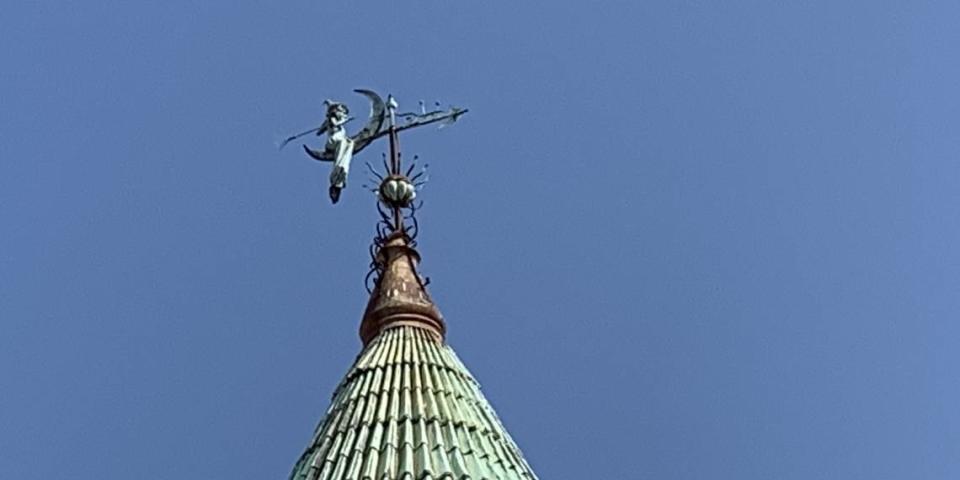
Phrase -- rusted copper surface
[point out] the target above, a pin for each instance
(399, 297)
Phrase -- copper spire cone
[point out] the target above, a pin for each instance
(400, 296)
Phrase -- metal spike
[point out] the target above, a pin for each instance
(374, 172)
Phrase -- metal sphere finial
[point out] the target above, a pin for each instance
(397, 191)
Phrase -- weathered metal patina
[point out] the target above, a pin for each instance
(409, 409)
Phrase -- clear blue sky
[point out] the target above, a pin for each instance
(673, 240)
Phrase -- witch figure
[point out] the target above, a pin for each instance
(339, 146)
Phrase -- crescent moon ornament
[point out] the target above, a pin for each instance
(369, 133)
(340, 147)
(378, 114)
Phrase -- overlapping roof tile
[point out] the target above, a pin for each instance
(409, 409)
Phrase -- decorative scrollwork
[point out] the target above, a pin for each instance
(397, 214)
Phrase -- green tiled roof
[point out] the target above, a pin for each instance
(408, 409)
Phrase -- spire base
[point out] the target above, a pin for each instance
(400, 296)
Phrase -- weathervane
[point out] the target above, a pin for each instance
(396, 190)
